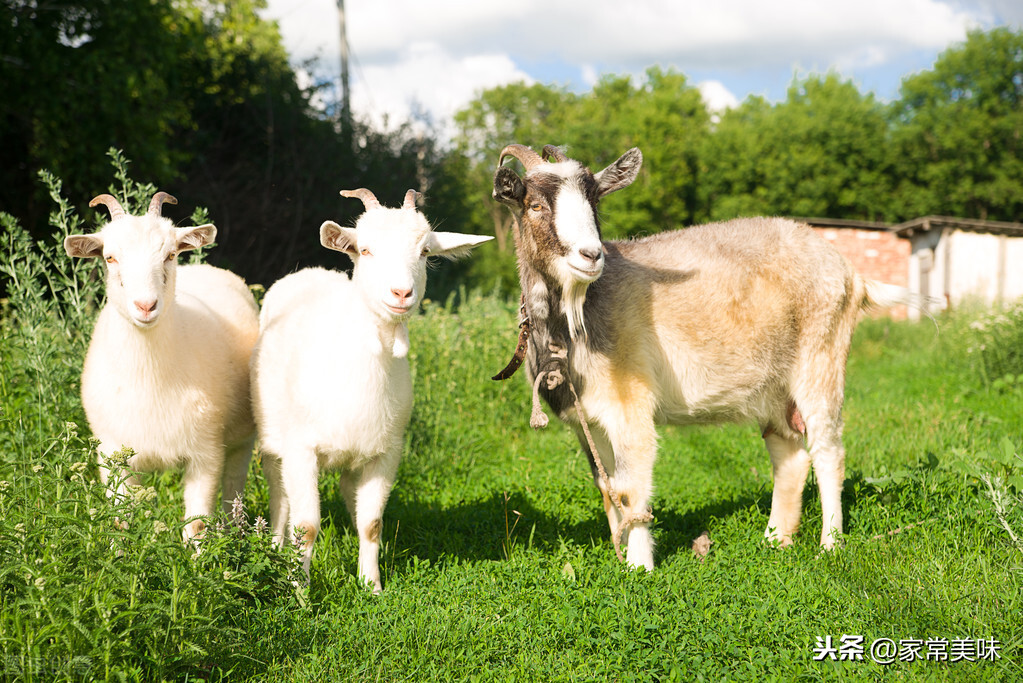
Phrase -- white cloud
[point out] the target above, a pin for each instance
(732, 32)
(426, 76)
(440, 53)
(716, 96)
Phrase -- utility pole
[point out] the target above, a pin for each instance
(346, 104)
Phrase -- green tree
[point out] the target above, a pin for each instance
(513, 113)
(821, 152)
(957, 132)
(666, 118)
(80, 77)
(200, 95)
(662, 115)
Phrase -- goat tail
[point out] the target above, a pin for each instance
(882, 295)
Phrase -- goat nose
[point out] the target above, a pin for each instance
(146, 307)
(402, 294)
(590, 254)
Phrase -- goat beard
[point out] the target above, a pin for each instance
(573, 298)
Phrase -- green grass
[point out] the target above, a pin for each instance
(497, 561)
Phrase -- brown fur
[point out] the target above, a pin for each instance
(309, 532)
(748, 320)
(373, 531)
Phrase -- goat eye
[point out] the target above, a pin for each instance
(364, 252)
(170, 257)
(535, 206)
(111, 260)
(426, 250)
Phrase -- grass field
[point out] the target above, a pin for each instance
(498, 563)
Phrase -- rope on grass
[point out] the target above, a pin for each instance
(555, 375)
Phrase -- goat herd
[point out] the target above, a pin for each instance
(747, 320)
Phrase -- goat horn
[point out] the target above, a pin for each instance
(156, 205)
(411, 197)
(369, 200)
(111, 203)
(526, 155)
(552, 151)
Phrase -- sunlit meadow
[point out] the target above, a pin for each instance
(497, 561)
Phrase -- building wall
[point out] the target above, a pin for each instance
(927, 268)
(1013, 268)
(962, 267)
(875, 254)
(952, 265)
(973, 274)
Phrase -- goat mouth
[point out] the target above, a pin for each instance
(398, 310)
(144, 323)
(587, 274)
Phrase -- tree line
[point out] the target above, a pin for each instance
(201, 97)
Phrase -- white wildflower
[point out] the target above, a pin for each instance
(120, 457)
(142, 494)
(238, 512)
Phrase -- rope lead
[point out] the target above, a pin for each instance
(538, 420)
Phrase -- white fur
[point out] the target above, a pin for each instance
(167, 368)
(331, 382)
(577, 230)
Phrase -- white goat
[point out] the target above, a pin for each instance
(749, 320)
(167, 368)
(330, 377)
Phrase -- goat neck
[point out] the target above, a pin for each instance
(548, 328)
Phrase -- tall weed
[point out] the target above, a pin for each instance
(995, 346)
(82, 594)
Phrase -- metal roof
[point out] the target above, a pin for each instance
(844, 223)
(926, 223)
(922, 224)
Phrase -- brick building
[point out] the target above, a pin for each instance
(956, 260)
(875, 250)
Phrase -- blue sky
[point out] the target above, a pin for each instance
(436, 55)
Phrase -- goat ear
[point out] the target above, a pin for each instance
(453, 245)
(619, 174)
(508, 187)
(333, 236)
(83, 246)
(195, 237)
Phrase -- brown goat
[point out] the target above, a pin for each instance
(746, 320)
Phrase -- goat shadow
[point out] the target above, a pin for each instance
(481, 530)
